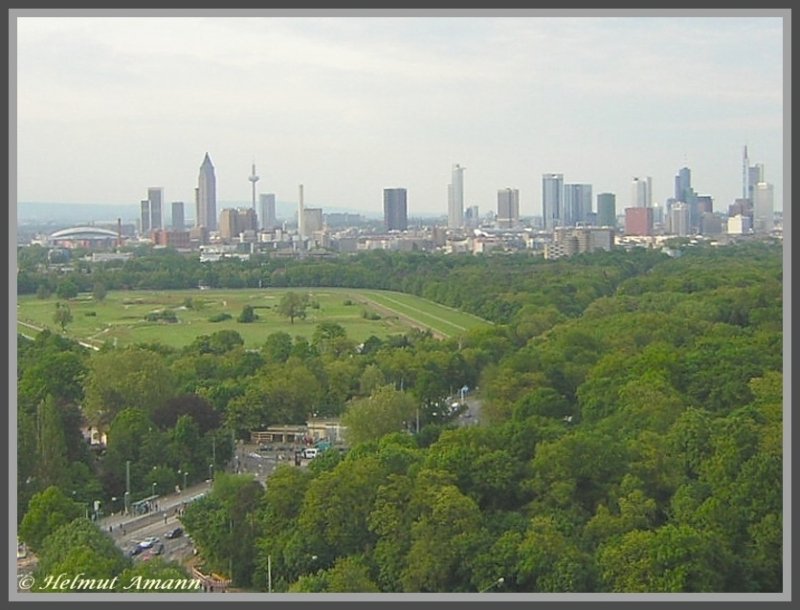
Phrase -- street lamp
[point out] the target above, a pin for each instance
(211, 472)
(499, 581)
(154, 488)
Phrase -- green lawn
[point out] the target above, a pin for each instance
(120, 317)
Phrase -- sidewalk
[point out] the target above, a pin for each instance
(165, 506)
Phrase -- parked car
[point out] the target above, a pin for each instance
(174, 533)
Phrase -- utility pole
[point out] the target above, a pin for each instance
(127, 486)
(269, 573)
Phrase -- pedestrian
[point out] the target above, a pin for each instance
(165, 517)
(109, 528)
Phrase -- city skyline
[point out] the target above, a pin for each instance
(601, 116)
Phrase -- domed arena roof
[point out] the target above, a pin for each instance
(83, 233)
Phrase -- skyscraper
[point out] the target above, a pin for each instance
(679, 219)
(155, 195)
(178, 220)
(206, 196)
(301, 216)
(472, 217)
(144, 222)
(745, 174)
(755, 174)
(395, 209)
(507, 208)
(607, 210)
(577, 204)
(683, 184)
(552, 200)
(267, 210)
(455, 204)
(642, 193)
(228, 223)
(763, 208)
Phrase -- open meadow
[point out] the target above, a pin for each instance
(120, 318)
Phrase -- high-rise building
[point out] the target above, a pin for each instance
(455, 203)
(312, 220)
(642, 193)
(301, 217)
(577, 204)
(639, 221)
(552, 200)
(206, 196)
(178, 220)
(683, 184)
(751, 176)
(144, 218)
(755, 174)
(743, 207)
(745, 174)
(507, 208)
(246, 220)
(232, 222)
(155, 195)
(763, 208)
(607, 210)
(228, 223)
(267, 210)
(395, 209)
(679, 219)
(472, 217)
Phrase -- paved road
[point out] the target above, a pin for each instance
(166, 504)
(472, 415)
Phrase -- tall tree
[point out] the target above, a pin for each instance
(386, 410)
(118, 379)
(51, 444)
(47, 511)
(99, 291)
(62, 315)
(293, 305)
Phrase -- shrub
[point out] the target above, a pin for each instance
(220, 317)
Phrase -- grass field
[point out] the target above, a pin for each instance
(120, 317)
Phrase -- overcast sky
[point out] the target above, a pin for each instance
(348, 106)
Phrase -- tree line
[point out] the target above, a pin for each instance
(631, 438)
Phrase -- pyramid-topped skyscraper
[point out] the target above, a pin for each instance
(206, 196)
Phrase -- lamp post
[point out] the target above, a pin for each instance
(154, 488)
(127, 486)
(499, 581)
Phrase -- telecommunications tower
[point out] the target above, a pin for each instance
(254, 178)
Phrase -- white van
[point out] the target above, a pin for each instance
(310, 453)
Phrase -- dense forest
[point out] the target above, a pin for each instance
(631, 433)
